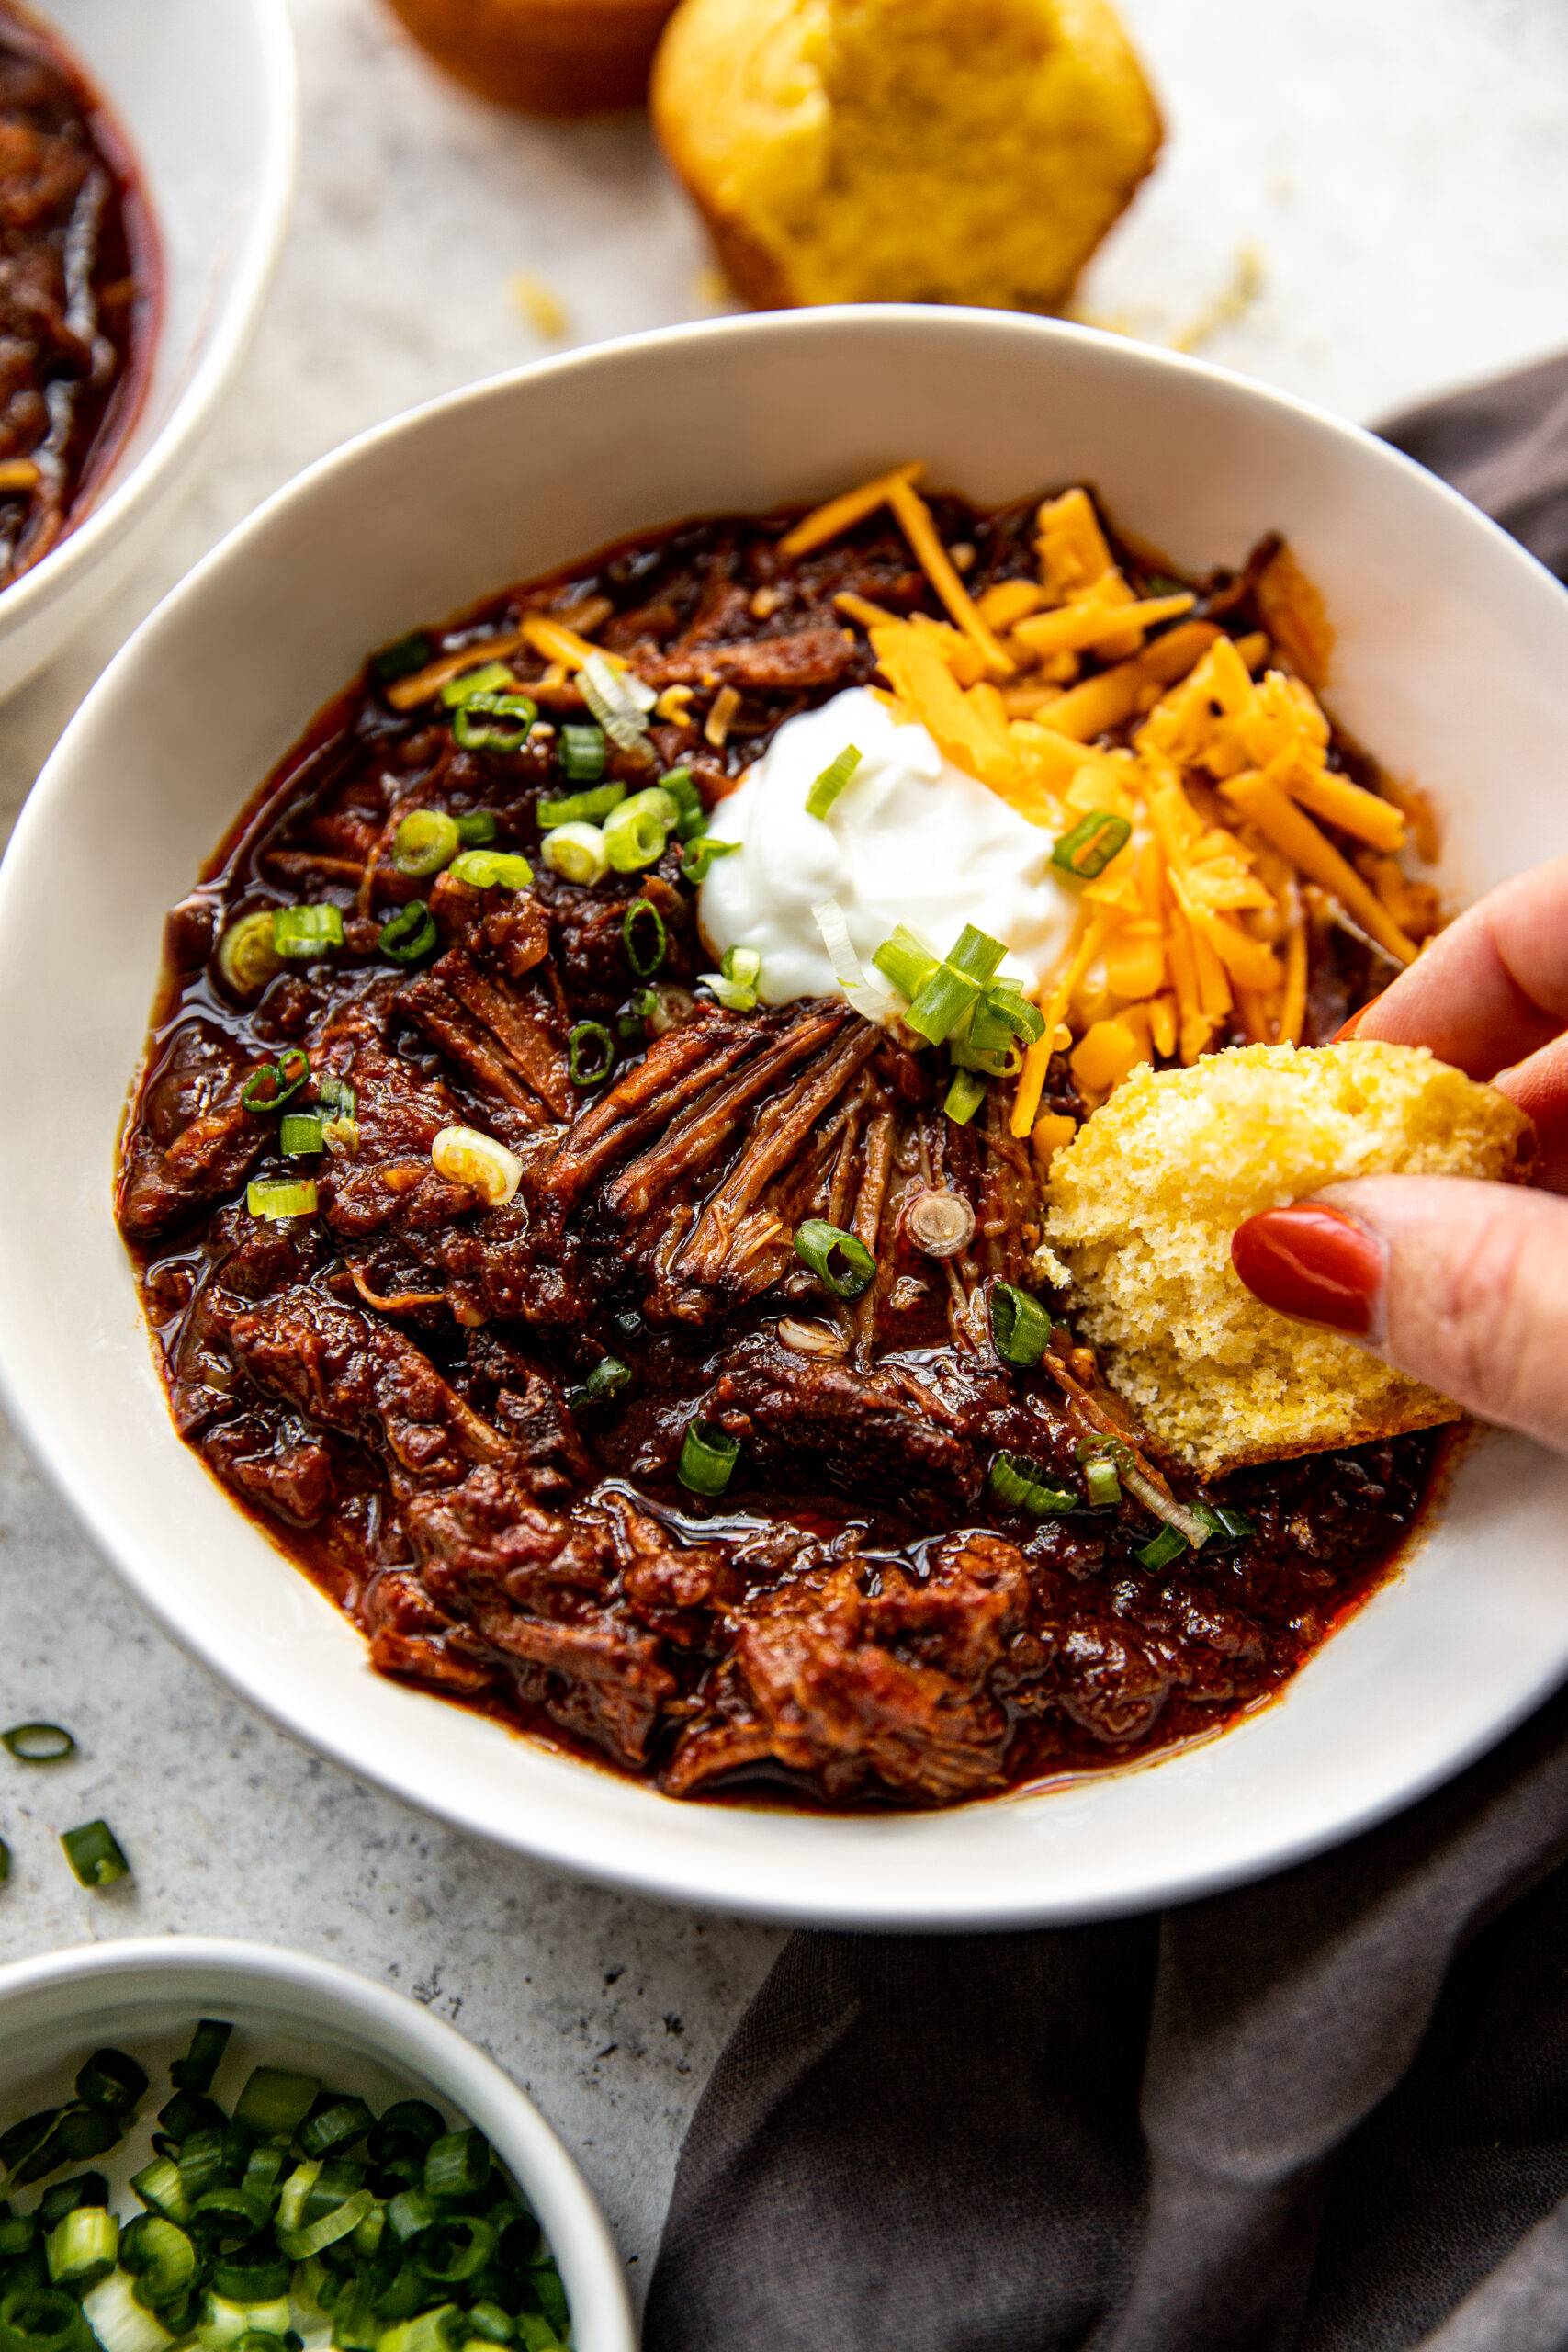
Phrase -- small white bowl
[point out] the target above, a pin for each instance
(204, 91)
(1452, 663)
(309, 2013)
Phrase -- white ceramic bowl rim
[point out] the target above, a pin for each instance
(841, 1880)
(111, 510)
(417, 2043)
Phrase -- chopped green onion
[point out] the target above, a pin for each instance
(619, 699)
(118, 2322)
(108, 2078)
(227, 2216)
(1005, 1007)
(453, 2250)
(84, 2247)
(581, 807)
(1223, 1518)
(426, 839)
(409, 2213)
(316, 2236)
(940, 1003)
(700, 855)
(457, 2166)
(490, 2324)
(275, 1083)
(195, 2071)
(487, 722)
(295, 2191)
(299, 1135)
(490, 678)
(442, 2330)
(1159, 1552)
(838, 1259)
(35, 2318)
(589, 1054)
(38, 1743)
(636, 830)
(1020, 1328)
(708, 1456)
(965, 1096)
(62, 2197)
(584, 751)
(1101, 1484)
(277, 1198)
(410, 935)
(645, 953)
(735, 993)
(335, 2123)
(408, 2125)
(977, 954)
(224, 2324)
(94, 1853)
(401, 657)
(5, 1862)
(608, 1378)
(691, 814)
(161, 2257)
(832, 782)
(161, 2190)
(906, 961)
(477, 829)
(276, 2101)
(1094, 841)
(631, 1021)
(1015, 1480)
(247, 958)
(577, 853)
(490, 869)
(301, 934)
(21, 2142)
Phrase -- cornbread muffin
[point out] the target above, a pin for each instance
(542, 56)
(1143, 1203)
(927, 150)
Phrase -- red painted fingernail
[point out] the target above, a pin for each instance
(1314, 1263)
(1349, 1028)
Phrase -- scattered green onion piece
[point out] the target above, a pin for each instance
(636, 830)
(186, 2117)
(546, 2281)
(581, 807)
(699, 856)
(409, 2123)
(832, 782)
(1223, 1518)
(335, 2123)
(270, 1087)
(838, 1259)
(20, 2142)
(276, 2101)
(94, 1853)
(692, 816)
(356, 2327)
(227, 2216)
(224, 2324)
(977, 955)
(490, 2324)
(401, 657)
(584, 751)
(488, 722)
(453, 2250)
(490, 678)
(301, 1134)
(708, 1456)
(5, 1862)
(906, 961)
(202, 2159)
(161, 2190)
(62, 2197)
(1168, 1545)
(38, 1743)
(426, 839)
(247, 957)
(40, 2319)
(1094, 841)
(1016, 1480)
(631, 1021)
(118, 2322)
(577, 853)
(965, 1096)
(477, 829)
(442, 2330)
(619, 699)
(19, 2235)
(195, 2071)
(302, 933)
(317, 2235)
(1005, 1007)
(409, 2214)
(940, 1003)
(736, 996)
(278, 1198)
(490, 869)
(1101, 1484)
(84, 2247)
(645, 938)
(108, 2078)
(252, 2277)
(162, 2257)
(410, 935)
(589, 1054)
(457, 2166)
(610, 1377)
(1020, 1328)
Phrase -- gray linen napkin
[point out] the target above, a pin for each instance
(1328, 2112)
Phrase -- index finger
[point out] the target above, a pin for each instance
(1491, 989)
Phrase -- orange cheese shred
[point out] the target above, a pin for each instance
(1294, 833)
(841, 514)
(915, 521)
(1073, 628)
(409, 692)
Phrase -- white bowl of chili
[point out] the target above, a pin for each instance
(322, 2023)
(195, 107)
(1451, 657)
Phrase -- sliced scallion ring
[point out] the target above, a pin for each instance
(425, 841)
(699, 856)
(619, 699)
(40, 2319)
(410, 935)
(302, 933)
(636, 830)
(247, 958)
(493, 722)
(610, 1377)
(646, 941)
(584, 751)
(906, 961)
(965, 1096)
(299, 1134)
(111, 2079)
(580, 807)
(838, 1259)
(195, 2071)
(1161, 1549)
(577, 853)
(589, 1054)
(1015, 1480)
(832, 782)
(708, 1456)
(477, 829)
(94, 1853)
(489, 678)
(401, 657)
(1093, 842)
(277, 1198)
(490, 869)
(1020, 1328)
(458, 2165)
(38, 1743)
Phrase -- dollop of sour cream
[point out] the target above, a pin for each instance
(912, 838)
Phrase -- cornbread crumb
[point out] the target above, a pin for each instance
(937, 150)
(540, 305)
(1143, 1205)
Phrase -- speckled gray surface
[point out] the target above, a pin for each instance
(1398, 169)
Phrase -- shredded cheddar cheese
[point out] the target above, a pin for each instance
(840, 515)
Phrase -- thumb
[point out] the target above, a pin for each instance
(1460, 1283)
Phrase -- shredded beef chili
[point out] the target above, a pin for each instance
(399, 1385)
(76, 292)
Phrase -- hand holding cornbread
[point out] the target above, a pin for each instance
(1463, 1284)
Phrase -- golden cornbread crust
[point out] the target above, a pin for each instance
(1143, 1203)
(926, 150)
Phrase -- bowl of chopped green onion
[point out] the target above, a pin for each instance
(209, 2146)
